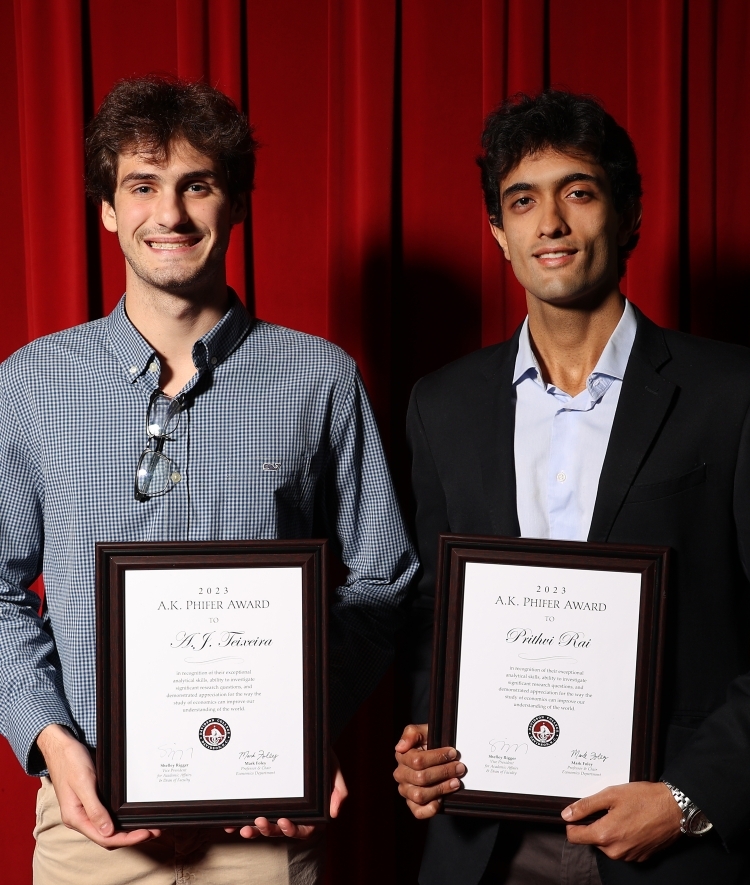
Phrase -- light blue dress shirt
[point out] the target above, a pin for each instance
(561, 440)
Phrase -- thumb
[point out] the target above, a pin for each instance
(578, 810)
(339, 792)
(98, 815)
(413, 736)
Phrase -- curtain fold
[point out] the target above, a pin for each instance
(367, 225)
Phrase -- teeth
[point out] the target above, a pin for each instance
(553, 255)
(169, 245)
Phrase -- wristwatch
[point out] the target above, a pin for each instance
(694, 822)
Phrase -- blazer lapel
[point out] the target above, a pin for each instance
(495, 439)
(644, 401)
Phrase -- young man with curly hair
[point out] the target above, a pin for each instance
(171, 164)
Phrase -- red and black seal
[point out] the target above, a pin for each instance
(214, 734)
(544, 731)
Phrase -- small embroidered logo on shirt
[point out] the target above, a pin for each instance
(271, 465)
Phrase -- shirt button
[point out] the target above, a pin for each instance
(133, 370)
(561, 477)
(153, 367)
(175, 477)
(214, 360)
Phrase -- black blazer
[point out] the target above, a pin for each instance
(676, 473)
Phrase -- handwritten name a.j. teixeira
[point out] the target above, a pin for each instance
(226, 639)
(173, 605)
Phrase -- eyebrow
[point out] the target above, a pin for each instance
(154, 176)
(520, 186)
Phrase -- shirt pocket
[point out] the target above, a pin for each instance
(654, 490)
(289, 480)
(284, 468)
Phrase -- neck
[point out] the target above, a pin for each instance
(172, 323)
(568, 339)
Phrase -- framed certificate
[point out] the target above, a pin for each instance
(546, 670)
(211, 682)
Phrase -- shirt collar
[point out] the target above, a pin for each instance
(137, 356)
(612, 362)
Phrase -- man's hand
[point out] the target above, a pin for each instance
(640, 818)
(284, 827)
(73, 776)
(425, 776)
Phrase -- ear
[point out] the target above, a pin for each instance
(499, 234)
(239, 209)
(629, 223)
(109, 219)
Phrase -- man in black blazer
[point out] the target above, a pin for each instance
(669, 466)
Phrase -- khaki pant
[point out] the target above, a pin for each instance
(182, 856)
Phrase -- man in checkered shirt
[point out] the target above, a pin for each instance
(171, 164)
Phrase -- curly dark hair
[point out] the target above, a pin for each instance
(148, 113)
(565, 122)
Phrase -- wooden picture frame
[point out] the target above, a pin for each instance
(645, 574)
(137, 793)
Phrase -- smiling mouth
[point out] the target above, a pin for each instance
(167, 245)
(554, 254)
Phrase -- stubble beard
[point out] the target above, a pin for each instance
(177, 280)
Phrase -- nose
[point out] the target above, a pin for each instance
(551, 220)
(170, 209)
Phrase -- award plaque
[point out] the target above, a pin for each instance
(211, 682)
(546, 670)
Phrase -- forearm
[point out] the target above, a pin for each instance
(361, 649)
(31, 687)
(362, 514)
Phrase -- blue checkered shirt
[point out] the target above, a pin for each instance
(72, 426)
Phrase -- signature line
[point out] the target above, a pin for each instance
(548, 658)
(212, 660)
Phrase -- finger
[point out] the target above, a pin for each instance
(587, 806)
(418, 760)
(75, 816)
(249, 832)
(97, 814)
(413, 736)
(118, 840)
(423, 812)
(427, 795)
(429, 776)
(266, 828)
(339, 793)
(582, 834)
(295, 831)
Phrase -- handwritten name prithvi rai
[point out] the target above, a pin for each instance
(573, 638)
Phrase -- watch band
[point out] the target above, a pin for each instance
(694, 822)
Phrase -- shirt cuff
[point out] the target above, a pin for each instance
(30, 716)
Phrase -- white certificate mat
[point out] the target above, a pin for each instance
(547, 678)
(214, 684)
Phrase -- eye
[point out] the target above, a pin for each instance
(522, 202)
(143, 189)
(580, 194)
(197, 187)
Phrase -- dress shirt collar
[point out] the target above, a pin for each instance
(612, 363)
(137, 356)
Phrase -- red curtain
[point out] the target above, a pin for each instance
(367, 224)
